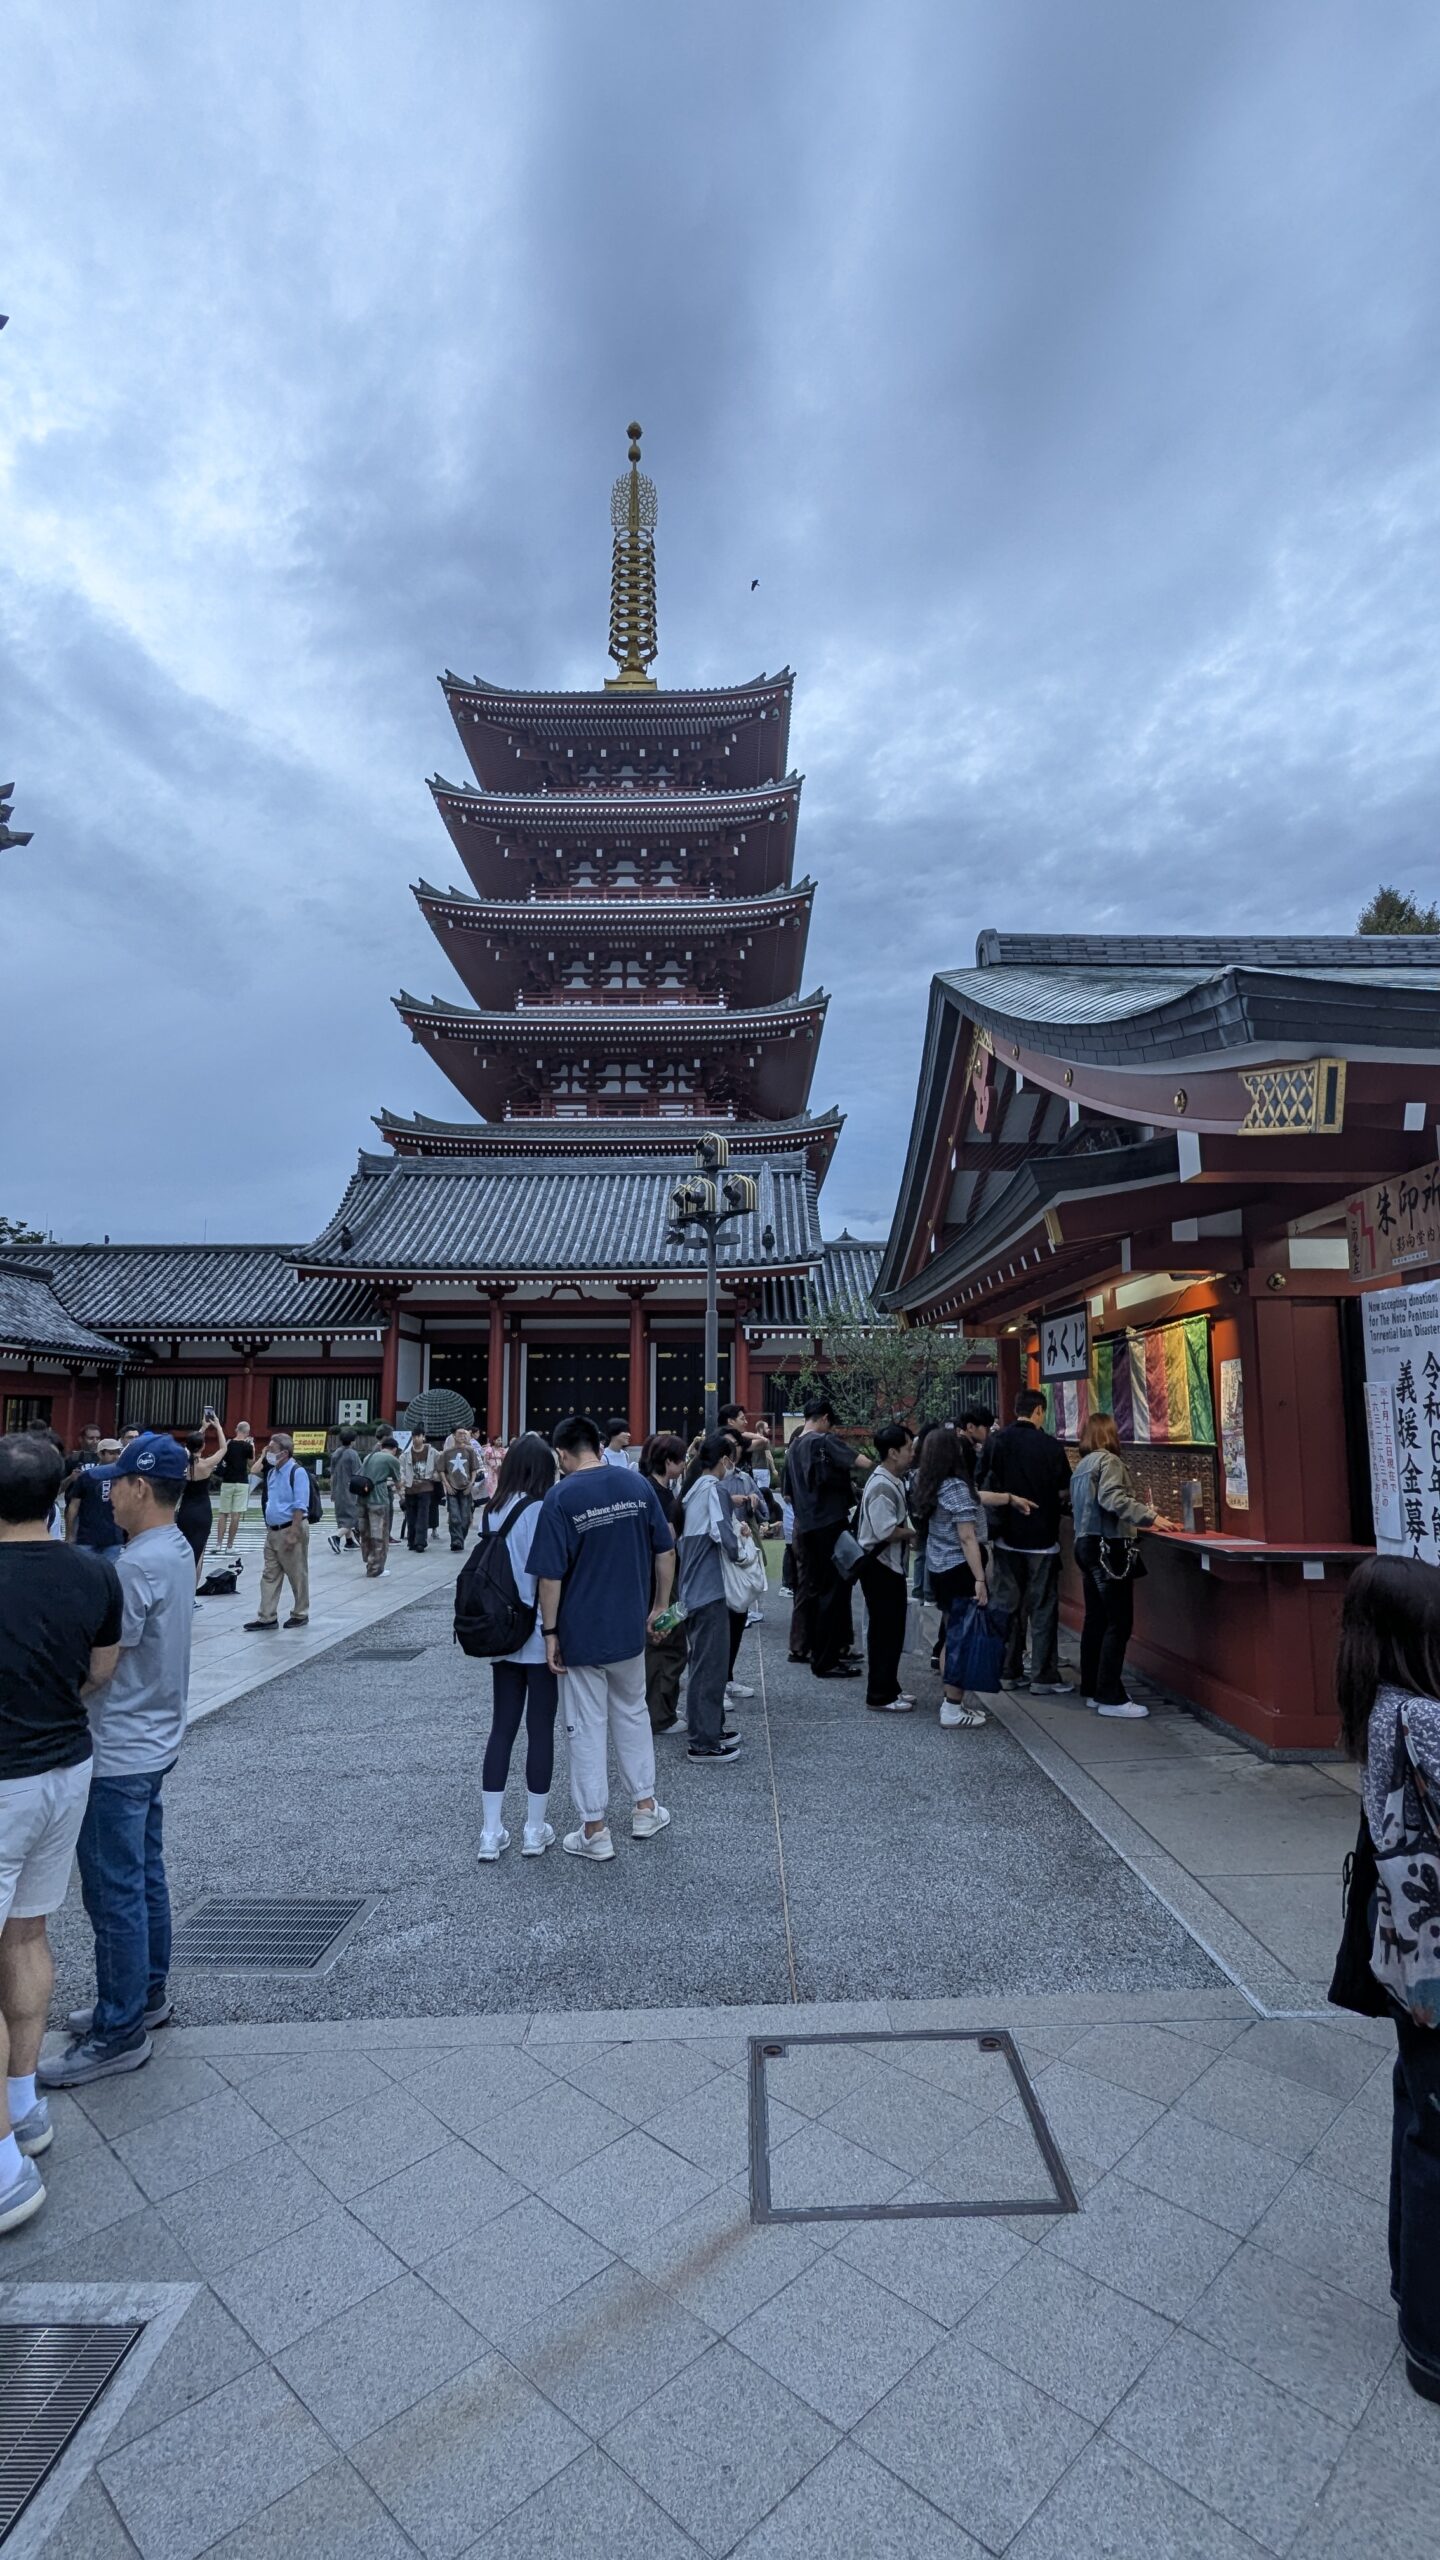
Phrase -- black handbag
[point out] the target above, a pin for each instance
(1353, 1985)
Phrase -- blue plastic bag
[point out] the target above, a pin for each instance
(975, 1646)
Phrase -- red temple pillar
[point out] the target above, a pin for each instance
(390, 1364)
(514, 1376)
(67, 1427)
(495, 1371)
(639, 1414)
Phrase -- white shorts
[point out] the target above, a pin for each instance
(231, 1497)
(40, 1822)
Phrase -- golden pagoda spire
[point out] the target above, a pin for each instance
(632, 577)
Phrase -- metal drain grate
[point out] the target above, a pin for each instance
(386, 1653)
(899, 2127)
(50, 2379)
(291, 1934)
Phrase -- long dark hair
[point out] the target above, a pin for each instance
(715, 1446)
(1389, 1638)
(527, 1467)
(946, 1453)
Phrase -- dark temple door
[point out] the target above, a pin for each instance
(574, 1377)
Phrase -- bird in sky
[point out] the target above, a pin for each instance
(754, 583)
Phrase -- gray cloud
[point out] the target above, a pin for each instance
(1067, 376)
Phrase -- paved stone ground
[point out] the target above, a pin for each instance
(495, 2290)
(848, 1856)
(454, 2256)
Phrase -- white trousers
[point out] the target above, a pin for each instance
(605, 1702)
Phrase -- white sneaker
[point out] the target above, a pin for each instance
(737, 1689)
(892, 1707)
(1128, 1707)
(954, 1711)
(643, 1826)
(1052, 1689)
(491, 1845)
(577, 1846)
(535, 1843)
(754, 1617)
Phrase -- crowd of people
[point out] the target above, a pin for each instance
(622, 1578)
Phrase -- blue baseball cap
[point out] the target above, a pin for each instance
(154, 1455)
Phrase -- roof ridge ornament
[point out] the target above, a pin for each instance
(632, 577)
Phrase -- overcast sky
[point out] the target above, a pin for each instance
(1066, 371)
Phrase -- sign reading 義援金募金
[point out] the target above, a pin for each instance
(1402, 1413)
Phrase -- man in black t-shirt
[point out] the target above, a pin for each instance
(60, 1618)
(89, 1519)
(1025, 1550)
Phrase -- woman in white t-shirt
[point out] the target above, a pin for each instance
(525, 1686)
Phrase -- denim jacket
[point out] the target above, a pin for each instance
(1103, 1501)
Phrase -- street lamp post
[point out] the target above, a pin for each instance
(702, 1201)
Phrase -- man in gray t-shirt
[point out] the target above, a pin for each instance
(137, 1723)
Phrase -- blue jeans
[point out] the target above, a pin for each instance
(1415, 2193)
(120, 1853)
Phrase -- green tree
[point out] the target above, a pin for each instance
(875, 1368)
(1395, 911)
(15, 1231)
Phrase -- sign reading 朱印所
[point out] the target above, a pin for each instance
(1402, 1412)
(1395, 1225)
(1065, 1344)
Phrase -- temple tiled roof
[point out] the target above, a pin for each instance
(625, 915)
(547, 1136)
(36, 1323)
(188, 1289)
(843, 1277)
(575, 1216)
(575, 1024)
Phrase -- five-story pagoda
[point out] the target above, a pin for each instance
(632, 936)
(632, 940)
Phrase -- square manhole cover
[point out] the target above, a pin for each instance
(51, 2375)
(295, 1934)
(898, 2127)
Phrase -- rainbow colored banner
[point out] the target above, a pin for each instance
(1157, 1384)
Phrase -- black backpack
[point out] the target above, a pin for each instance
(491, 1619)
(315, 1507)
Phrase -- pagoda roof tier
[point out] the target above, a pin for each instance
(763, 1055)
(810, 1135)
(498, 834)
(578, 1217)
(739, 731)
(758, 942)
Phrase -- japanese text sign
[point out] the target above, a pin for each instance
(1395, 1225)
(1402, 1411)
(1065, 1344)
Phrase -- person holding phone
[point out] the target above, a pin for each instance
(195, 1516)
(233, 1484)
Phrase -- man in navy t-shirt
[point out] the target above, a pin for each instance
(600, 1541)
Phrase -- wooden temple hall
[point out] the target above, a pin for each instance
(1191, 1181)
(629, 939)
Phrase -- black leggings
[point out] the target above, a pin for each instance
(738, 1618)
(531, 1690)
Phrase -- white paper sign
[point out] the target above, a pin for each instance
(353, 1409)
(1402, 1363)
(1384, 1467)
(1065, 1344)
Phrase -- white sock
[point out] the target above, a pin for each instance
(494, 1810)
(535, 1811)
(20, 2097)
(12, 2161)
